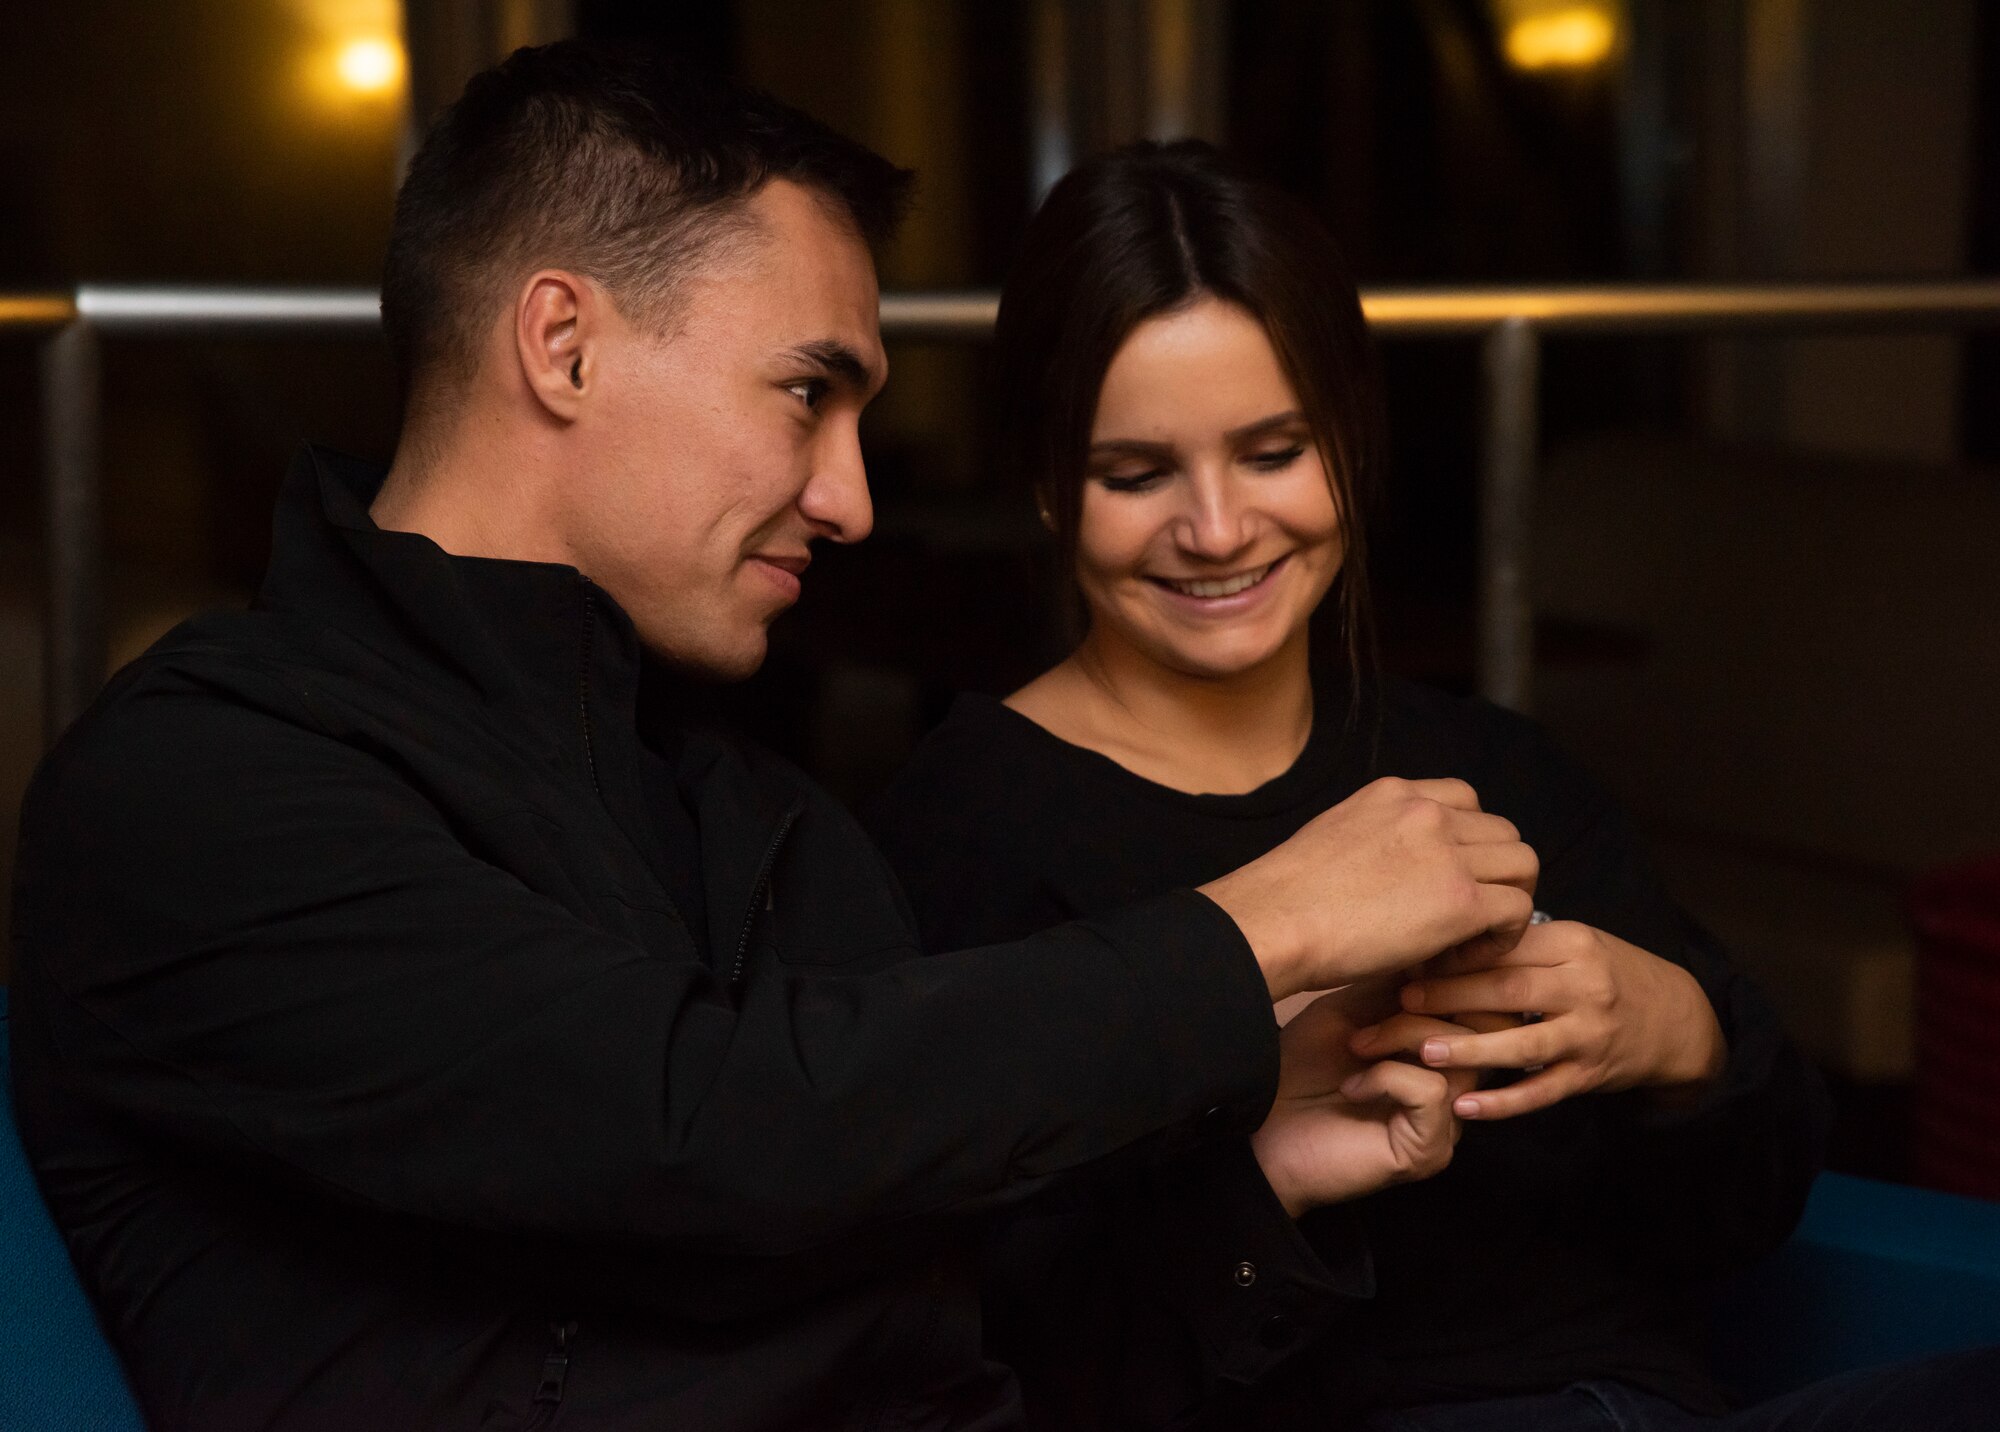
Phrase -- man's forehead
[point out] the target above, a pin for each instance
(817, 277)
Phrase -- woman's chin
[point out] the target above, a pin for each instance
(1213, 660)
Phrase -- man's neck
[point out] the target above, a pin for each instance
(480, 490)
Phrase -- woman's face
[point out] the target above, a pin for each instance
(1208, 530)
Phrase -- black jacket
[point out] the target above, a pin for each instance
(376, 1082)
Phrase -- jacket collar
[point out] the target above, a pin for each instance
(528, 636)
(539, 642)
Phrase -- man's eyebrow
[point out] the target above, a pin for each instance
(836, 360)
(1140, 447)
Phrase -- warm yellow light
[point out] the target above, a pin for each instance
(369, 65)
(1573, 38)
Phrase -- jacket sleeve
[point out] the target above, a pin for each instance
(262, 945)
(1694, 1192)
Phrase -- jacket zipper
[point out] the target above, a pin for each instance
(583, 682)
(555, 1373)
(757, 892)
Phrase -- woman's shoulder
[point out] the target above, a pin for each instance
(975, 780)
(980, 755)
(967, 823)
(1515, 765)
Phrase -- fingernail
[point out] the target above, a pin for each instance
(1436, 1051)
(1466, 1108)
(1348, 1085)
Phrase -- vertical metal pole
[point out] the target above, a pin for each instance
(1511, 389)
(73, 643)
(1049, 46)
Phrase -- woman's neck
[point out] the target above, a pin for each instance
(1204, 735)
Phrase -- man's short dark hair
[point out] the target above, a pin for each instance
(626, 167)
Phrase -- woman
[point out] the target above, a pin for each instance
(1194, 399)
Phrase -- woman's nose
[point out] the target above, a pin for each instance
(1216, 524)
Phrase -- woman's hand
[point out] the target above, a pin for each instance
(1342, 1127)
(1613, 1017)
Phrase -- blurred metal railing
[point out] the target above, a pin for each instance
(1510, 322)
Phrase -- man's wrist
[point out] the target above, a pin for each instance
(1272, 942)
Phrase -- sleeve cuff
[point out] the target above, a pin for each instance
(1217, 1039)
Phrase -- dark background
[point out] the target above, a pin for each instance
(1763, 568)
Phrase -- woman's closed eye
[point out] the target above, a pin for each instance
(1131, 481)
(1276, 459)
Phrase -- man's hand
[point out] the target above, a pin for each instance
(1340, 1127)
(1392, 875)
(1613, 1017)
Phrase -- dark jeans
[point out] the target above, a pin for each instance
(1959, 1392)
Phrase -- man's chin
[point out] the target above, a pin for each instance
(714, 661)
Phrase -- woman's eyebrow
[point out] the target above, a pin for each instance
(1264, 425)
(1140, 447)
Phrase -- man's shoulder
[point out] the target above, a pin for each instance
(219, 694)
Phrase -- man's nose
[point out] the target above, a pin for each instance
(836, 499)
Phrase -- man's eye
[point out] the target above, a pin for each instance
(1131, 481)
(810, 391)
(1277, 460)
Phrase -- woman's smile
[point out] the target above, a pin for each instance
(1222, 595)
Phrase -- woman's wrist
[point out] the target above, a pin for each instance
(1699, 1052)
(1278, 1177)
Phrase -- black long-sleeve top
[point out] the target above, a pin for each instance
(1570, 1243)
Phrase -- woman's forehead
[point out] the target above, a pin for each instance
(1208, 367)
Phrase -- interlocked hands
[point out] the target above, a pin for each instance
(1613, 1017)
(1343, 1126)
(1377, 1075)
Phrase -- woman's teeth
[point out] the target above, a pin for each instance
(1221, 586)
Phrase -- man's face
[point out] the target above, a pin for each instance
(717, 451)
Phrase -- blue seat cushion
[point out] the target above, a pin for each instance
(57, 1373)
(1876, 1273)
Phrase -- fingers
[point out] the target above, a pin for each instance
(1503, 1043)
(1488, 1021)
(1551, 1086)
(1525, 1047)
(1478, 827)
(1503, 863)
(1403, 1084)
(1401, 1034)
(1502, 987)
(1446, 791)
(1425, 1098)
(1504, 911)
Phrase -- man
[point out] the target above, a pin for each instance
(418, 1028)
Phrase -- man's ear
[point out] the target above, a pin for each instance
(556, 323)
